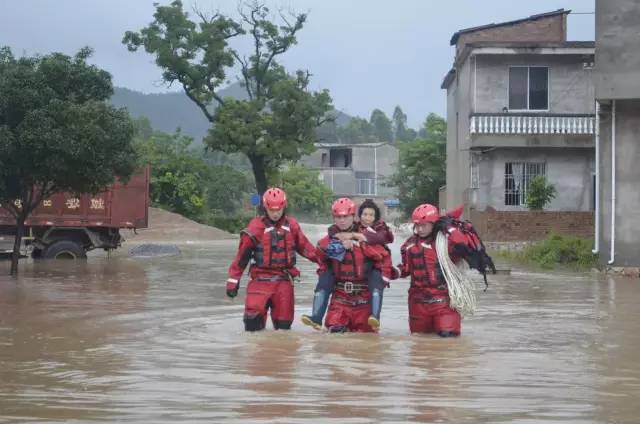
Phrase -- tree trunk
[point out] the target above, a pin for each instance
(20, 218)
(259, 173)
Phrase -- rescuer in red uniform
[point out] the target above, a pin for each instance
(270, 242)
(347, 266)
(429, 309)
(374, 231)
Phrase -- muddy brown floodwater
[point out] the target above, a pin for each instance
(156, 340)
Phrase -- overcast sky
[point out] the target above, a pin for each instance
(368, 53)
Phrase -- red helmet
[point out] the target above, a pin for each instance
(343, 206)
(274, 198)
(425, 213)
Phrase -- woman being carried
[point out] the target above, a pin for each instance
(375, 232)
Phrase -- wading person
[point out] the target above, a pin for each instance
(346, 267)
(270, 242)
(374, 231)
(429, 310)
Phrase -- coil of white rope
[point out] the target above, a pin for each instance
(462, 295)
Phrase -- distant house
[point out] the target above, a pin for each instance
(520, 104)
(358, 171)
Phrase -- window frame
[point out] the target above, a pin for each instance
(348, 157)
(371, 186)
(526, 177)
(528, 109)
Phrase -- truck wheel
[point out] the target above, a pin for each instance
(64, 249)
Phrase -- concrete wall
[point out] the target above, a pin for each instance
(452, 149)
(570, 170)
(459, 97)
(617, 49)
(495, 226)
(627, 207)
(484, 141)
(341, 181)
(570, 85)
(365, 159)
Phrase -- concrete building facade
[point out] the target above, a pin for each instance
(358, 171)
(617, 90)
(520, 103)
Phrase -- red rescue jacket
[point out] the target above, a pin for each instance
(377, 235)
(356, 263)
(272, 246)
(420, 260)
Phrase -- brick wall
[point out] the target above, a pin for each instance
(530, 226)
(551, 29)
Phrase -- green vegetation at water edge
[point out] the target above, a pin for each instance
(557, 250)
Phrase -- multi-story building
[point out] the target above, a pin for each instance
(617, 89)
(520, 103)
(358, 171)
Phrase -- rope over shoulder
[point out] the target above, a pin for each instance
(461, 291)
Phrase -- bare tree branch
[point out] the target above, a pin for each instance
(245, 72)
(202, 106)
(203, 16)
(283, 18)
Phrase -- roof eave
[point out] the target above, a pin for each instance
(456, 35)
(448, 79)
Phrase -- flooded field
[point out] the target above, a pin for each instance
(157, 340)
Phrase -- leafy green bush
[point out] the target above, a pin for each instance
(182, 181)
(556, 250)
(307, 195)
(540, 193)
(421, 165)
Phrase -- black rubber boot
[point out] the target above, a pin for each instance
(447, 334)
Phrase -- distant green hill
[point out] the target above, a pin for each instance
(170, 111)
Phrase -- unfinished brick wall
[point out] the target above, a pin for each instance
(551, 29)
(531, 226)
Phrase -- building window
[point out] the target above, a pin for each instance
(324, 161)
(366, 186)
(340, 158)
(517, 176)
(528, 88)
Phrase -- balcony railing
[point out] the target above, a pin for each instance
(511, 123)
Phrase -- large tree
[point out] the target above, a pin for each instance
(381, 126)
(185, 181)
(278, 120)
(57, 133)
(357, 130)
(422, 165)
(178, 174)
(306, 194)
(399, 124)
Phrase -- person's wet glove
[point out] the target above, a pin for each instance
(232, 287)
